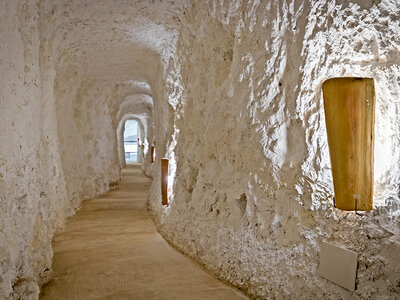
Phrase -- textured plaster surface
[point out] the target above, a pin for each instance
(67, 70)
(230, 91)
(252, 184)
(31, 181)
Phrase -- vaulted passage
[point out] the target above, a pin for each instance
(111, 249)
(268, 132)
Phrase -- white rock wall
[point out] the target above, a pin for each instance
(31, 182)
(253, 189)
(87, 142)
(231, 93)
(58, 124)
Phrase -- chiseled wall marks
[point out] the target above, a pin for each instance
(31, 180)
(253, 188)
(57, 130)
(237, 109)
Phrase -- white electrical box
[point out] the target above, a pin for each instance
(338, 265)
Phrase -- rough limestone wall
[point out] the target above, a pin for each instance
(87, 141)
(31, 181)
(65, 72)
(105, 51)
(253, 189)
(88, 113)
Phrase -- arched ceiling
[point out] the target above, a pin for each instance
(116, 40)
(138, 104)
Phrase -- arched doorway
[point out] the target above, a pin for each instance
(131, 135)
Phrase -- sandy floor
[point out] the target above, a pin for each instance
(111, 250)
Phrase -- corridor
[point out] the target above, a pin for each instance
(111, 250)
(272, 126)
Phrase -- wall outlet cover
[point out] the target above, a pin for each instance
(338, 265)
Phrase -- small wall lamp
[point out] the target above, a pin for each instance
(164, 180)
(152, 153)
(349, 104)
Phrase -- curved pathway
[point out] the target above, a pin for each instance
(111, 250)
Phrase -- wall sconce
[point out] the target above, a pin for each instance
(164, 180)
(152, 153)
(349, 104)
